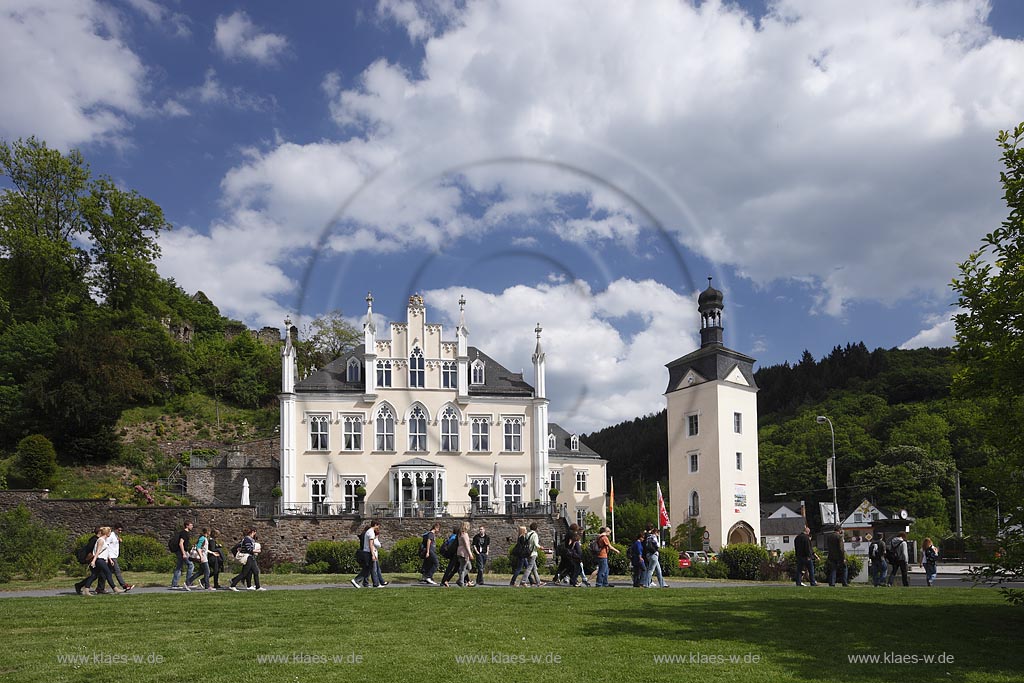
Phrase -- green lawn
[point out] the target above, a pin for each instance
(596, 635)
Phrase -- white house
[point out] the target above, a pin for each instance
(712, 435)
(781, 523)
(418, 421)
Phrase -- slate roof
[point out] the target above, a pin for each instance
(785, 526)
(562, 445)
(768, 509)
(333, 378)
(713, 362)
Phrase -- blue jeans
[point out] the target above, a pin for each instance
(654, 569)
(878, 568)
(808, 564)
(602, 571)
(205, 583)
(182, 562)
(838, 566)
(931, 570)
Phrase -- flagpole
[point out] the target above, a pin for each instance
(612, 508)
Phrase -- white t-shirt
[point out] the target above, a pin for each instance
(368, 539)
(114, 543)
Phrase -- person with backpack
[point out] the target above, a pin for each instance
(180, 544)
(533, 541)
(448, 552)
(100, 565)
(248, 549)
(564, 563)
(604, 546)
(366, 556)
(428, 551)
(929, 561)
(652, 556)
(898, 558)
(876, 558)
(805, 557)
(115, 552)
(574, 553)
(519, 552)
(216, 557)
(836, 549)
(635, 553)
(481, 544)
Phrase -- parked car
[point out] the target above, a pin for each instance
(684, 561)
(698, 556)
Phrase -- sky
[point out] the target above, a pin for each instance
(582, 165)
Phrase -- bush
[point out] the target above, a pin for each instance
(403, 554)
(316, 568)
(35, 463)
(499, 564)
(854, 566)
(716, 570)
(618, 564)
(27, 548)
(669, 559)
(340, 556)
(285, 568)
(142, 554)
(744, 560)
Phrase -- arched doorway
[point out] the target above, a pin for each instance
(741, 532)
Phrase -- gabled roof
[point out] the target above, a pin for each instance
(563, 449)
(498, 380)
(713, 363)
(769, 509)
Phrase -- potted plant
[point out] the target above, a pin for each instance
(553, 493)
(474, 497)
(276, 492)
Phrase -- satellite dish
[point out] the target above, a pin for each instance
(903, 514)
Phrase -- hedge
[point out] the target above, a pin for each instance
(744, 560)
(340, 556)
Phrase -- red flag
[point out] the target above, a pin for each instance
(611, 497)
(662, 512)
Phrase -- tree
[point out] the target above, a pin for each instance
(990, 342)
(35, 462)
(325, 338)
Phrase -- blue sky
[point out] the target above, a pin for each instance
(584, 165)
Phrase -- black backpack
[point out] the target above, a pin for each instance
(522, 548)
(595, 546)
(423, 547)
(892, 553)
(84, 554)
(650, 545)
(449, 547)
(172, 543)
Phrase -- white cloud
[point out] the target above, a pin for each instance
(67, 76)
(237, 38)
(941, 332)
(843, 145)
(596, 376)
(213, 92)
(161, 16)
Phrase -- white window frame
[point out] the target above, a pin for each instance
(449, 375)
(353, 368)
(552, 443)
(352, 432)
(581, 481)
(384, 374)
(517, 484)
(417, 372)
(319, 439)
(349, 483)
(418, 439)
(692, 424)
(581, 517)
(449, 420)
(555, 477)
(574, 442)
(512, 434)
(483, 486)
(480, 438)
(383, 438)
(477, 374)
(317, 485)
(739, 461)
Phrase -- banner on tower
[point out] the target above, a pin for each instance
(739, 499)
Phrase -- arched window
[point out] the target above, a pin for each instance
(416, 374)
(417, 429)
(551, 442)
(449, 430)
(477, 374)
(574, 443)
(694, 504)
(353, 370)
(385, 429)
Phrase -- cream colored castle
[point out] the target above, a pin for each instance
(418, 421)
(712, 435)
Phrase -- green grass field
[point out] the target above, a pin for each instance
(418, 633)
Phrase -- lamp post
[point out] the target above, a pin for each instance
(999, 518)
(835, 474)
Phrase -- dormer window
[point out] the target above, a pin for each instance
(551, 442)
(477, 372)
(574, 443)
(353, 370)
(416, 374)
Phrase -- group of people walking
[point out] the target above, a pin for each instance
(892, 556)
(101, 553)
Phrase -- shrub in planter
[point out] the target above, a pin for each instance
(743, 560)
(402, 553)
(340, 556)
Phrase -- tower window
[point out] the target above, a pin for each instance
(692, 425)
(694, 504)
(739, 461)
(737, 423)
(693, 461)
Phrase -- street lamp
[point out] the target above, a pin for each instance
(999, 518)
(821, 419)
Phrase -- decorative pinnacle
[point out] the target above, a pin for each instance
(709, 280)
(462, 303)
(538, 330)
(369, 298)
(288, 322)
